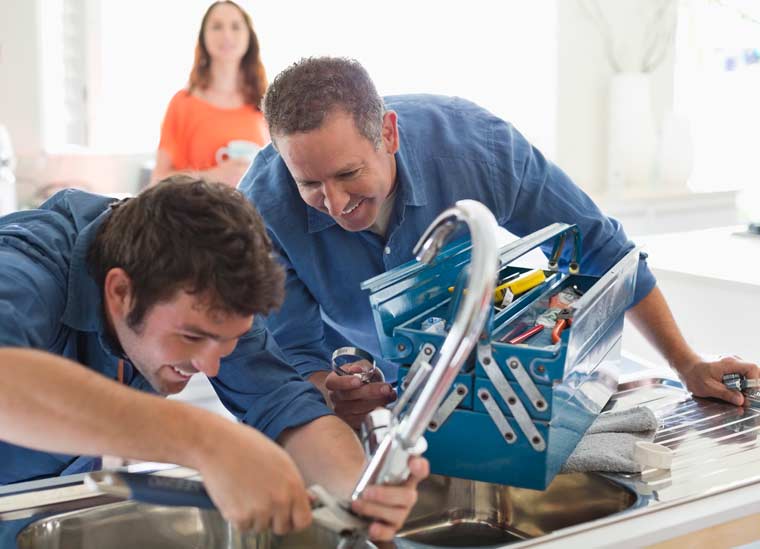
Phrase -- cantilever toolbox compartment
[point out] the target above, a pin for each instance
(516, 411)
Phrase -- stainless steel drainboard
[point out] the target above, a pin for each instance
(450, 513)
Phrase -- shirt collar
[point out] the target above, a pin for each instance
(407, 172)
(318, 221)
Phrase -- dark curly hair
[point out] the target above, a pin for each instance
(301, 96)
(188, 234)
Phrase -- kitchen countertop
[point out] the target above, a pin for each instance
(728, 254)
(715, 477)
(711, 280)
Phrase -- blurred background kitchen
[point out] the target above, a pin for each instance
(651, 106)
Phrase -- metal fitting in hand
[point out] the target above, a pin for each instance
(372, 374)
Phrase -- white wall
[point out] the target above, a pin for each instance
(20, 97)
(501, 55)
(706, 310)
(583, 91)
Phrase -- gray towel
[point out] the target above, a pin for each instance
(608, 444)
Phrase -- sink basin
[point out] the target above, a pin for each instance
(451, 512)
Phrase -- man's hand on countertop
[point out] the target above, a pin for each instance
(705, 377)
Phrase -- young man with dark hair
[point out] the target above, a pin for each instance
(102, 302)
(351, 181)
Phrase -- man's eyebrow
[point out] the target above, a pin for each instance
(194, 330)
(348, 168)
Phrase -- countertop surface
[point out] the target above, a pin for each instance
(729, 254)
(714, 476)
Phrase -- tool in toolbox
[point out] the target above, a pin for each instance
(519, 285)
(564, 319)
(526, 335)
(514, 412)
(514, 285)
(519, 328)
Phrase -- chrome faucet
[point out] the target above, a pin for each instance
(403, 438)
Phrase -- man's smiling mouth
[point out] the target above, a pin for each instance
(352, 208)
(187, 375)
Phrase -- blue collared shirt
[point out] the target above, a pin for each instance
(49, 301)
(450, 149)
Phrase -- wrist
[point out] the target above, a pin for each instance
(198, 436)
(683, 362)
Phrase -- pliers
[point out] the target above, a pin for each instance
(564, 319)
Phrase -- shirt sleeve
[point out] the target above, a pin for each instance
(32, 289)
(257, 386)
(298, 326)
(532, 192)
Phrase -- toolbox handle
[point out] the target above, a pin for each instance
(560, 231)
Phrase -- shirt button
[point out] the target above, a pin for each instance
(387, 250)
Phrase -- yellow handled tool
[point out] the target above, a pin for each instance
(516, 284)
(519, 285)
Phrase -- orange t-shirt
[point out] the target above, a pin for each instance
(193, 130)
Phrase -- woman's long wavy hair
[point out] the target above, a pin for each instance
(254, 77)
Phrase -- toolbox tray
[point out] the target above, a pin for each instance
(515, 412)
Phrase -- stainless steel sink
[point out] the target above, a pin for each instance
(453, 512)
(450, 513)
(130, 525)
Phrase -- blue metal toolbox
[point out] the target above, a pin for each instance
(517, 410)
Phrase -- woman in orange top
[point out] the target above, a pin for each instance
(221, 103)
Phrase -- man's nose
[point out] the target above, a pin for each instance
(208, 362)
(336, 198)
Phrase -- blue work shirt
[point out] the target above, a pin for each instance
(450, 149)
(49, 301)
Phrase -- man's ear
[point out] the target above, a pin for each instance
(389, 132)
(117, 293)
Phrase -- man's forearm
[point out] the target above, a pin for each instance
(327, 452)
(50, 403)
(653, 318)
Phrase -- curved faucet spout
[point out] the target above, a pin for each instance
(388, 464)
(435, 236)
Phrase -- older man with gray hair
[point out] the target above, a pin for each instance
(351, 181)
